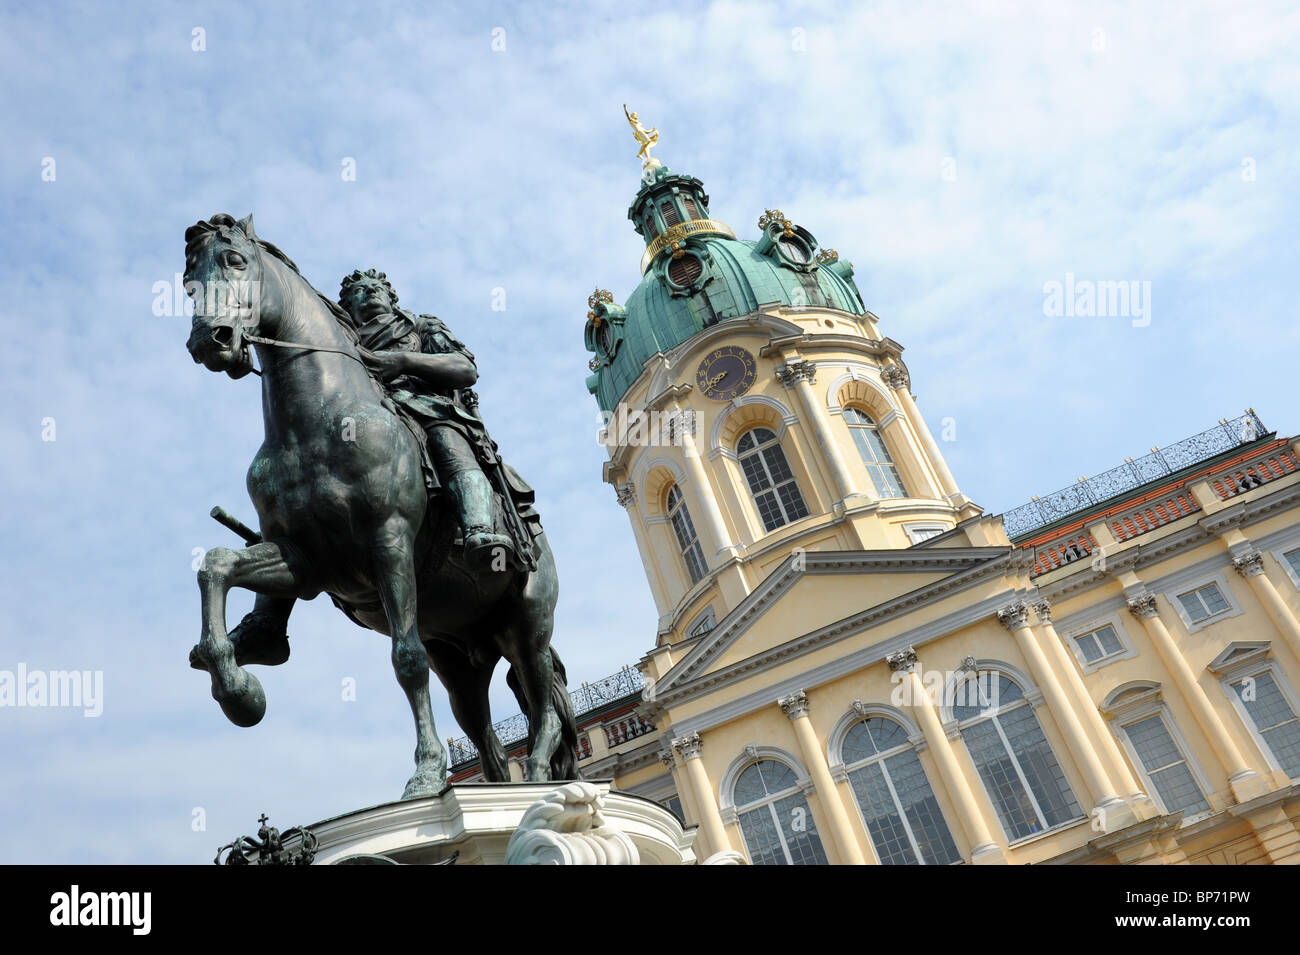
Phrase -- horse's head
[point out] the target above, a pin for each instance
(224, 275)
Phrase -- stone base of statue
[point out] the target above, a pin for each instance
(577, 823)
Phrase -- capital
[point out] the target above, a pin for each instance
(1143, 605)
(795, 705)
(1015, 616)
(1044, 610)
(688, 747)
(626, 493)
(896, 376)
(904, 660)
(1249, 565)
(793, 372)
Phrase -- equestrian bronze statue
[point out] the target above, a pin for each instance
(377, 484)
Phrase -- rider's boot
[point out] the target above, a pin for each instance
(260, 638)
(473, 496)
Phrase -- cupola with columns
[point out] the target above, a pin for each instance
(755, 408)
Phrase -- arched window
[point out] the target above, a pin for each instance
(1017, 766)
(774, 817)
(894, 795)
(776, 493)
(688, 541)
(871, 446)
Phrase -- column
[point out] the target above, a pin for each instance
(839, 829)
(1251, 566)
(627, 499)
(1016, 619)
(1240, 775)
(984, 850)
(897, 378)
(689, 809)
(800, 375)
(688, 748)
(1120, 773)
(717, 528)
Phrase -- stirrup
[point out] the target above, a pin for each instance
(481, 540)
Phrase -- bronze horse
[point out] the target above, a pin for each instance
(351, 517)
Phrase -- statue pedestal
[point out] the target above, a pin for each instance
(553, 823)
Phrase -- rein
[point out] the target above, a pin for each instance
(259, 340)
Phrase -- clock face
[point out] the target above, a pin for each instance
(725, 373)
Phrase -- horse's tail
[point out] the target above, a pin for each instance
(564, 761)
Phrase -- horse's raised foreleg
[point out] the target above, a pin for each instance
(394, 578)
(467, 688)
(267, 568)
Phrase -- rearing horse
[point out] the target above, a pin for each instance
(343, 510)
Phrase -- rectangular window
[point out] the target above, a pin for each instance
(1166, 766)
(1099, 644)
(669, 212)
(1203, 603)
(1273, 717)
(1293, 558)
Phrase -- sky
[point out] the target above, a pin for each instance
(962, 156)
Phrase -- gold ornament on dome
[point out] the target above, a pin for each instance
(675, 240)
(595, 300)
(593, 364)
(827, 256)
(776, 217)
(648, 139)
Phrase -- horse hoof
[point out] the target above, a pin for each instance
(421, 785)
(245, 706)
(196, 659)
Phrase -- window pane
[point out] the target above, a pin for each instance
(858, 745)
(687, 538)
(1000, 780)
(1214, 601)
(1293, 558)
(777, 777)
(761, 840)
(793, 501)
(749, 787)
(1192, 604)
(1274, 719)
(1109, 640)
(1164, 763)
(882, 817)
(1038, 763)
(886, 733)
(1088, 644)
(800, 831)
(777, 465)
(921, 808)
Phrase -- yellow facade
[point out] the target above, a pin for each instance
(834, 651)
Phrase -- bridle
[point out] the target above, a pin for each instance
(261, 340)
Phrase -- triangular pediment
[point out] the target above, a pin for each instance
(808, 594)
(1236, 654)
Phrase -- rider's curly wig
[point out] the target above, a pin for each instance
(358, 276)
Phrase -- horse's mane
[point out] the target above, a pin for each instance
(201, 233)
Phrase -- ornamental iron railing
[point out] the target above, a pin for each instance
(1088, 492)
(584, 699)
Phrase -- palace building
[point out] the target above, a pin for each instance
(853, 662)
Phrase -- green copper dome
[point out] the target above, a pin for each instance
(698, 274)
